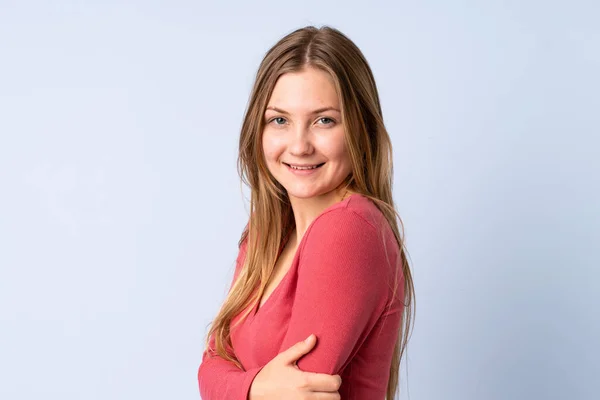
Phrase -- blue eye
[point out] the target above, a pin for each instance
(331, 121)
(278, 118)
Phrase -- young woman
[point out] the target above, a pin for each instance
(322, 256)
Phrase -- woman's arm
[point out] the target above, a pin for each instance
(218, 378)
(342, 289)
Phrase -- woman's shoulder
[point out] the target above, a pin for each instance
(353, 220)
(356, 211)
(367, 210)
(353, 237)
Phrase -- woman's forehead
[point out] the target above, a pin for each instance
(304, 92)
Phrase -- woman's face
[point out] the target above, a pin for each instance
(303, 127)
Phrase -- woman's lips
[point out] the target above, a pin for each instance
(303, 172)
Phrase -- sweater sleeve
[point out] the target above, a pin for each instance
(342, 289)
(221, 379)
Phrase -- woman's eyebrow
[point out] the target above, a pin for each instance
(317, 111)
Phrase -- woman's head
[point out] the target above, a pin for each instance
(303, 141)
(307, 70)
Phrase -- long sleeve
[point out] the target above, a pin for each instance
(218, 378)
(342, 288)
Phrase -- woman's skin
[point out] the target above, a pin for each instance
(303, 126)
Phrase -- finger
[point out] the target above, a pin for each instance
(298, 350)
(318, 382)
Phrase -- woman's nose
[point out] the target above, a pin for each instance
(300, 141)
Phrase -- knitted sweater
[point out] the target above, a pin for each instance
(339, 287)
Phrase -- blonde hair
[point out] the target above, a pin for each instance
(370, 150)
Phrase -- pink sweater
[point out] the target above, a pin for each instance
(337, 287)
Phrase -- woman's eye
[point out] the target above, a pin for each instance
(328, 121)
(278, 120)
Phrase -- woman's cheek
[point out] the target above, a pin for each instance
(272, 147)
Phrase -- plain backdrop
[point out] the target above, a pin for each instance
(121, 208)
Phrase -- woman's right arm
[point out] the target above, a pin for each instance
(221, 379)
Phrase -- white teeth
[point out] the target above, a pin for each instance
(313, 167)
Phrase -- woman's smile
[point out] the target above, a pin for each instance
(303, 170)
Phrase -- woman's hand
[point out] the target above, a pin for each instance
(282, 379)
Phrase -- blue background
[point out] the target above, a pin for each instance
(120, 205)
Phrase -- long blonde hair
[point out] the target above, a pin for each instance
(370, 151)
